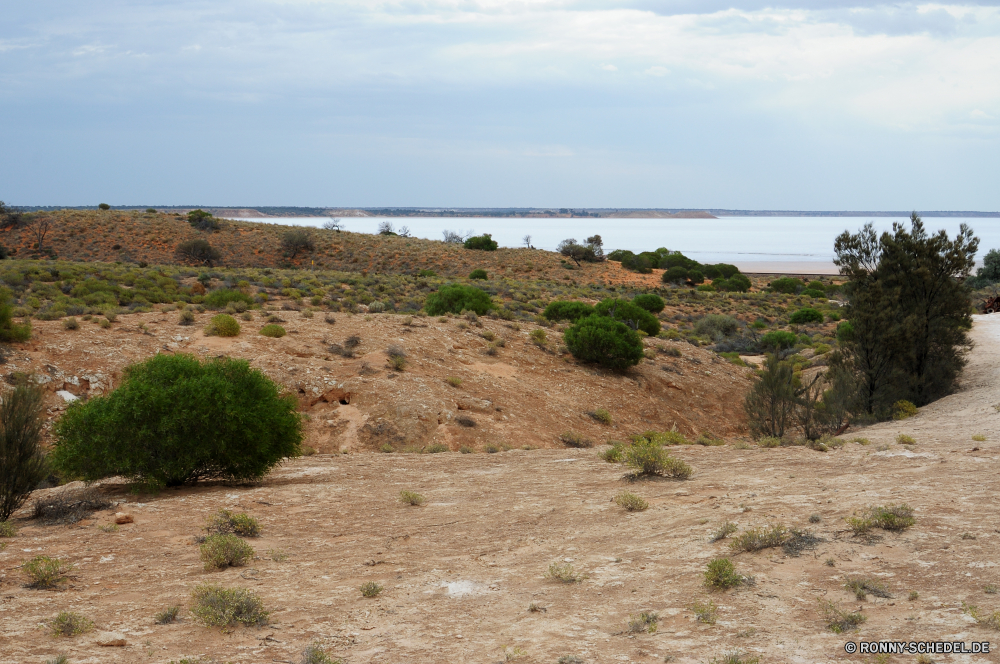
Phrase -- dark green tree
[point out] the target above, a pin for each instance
(296, 241)
(198, 251)
(484, 242)
(9, 330)
(634, 316)
(203, 221)
(22, 462)
(606, 341)
(771, 402)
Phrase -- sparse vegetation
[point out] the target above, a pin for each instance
(411, 498)
(454, 381)
(370, 589)
(839, 620)
(721, 575)
(564, 573)
(573, 439)
(903, 409)
(630, 501)
(890, 517)
(603, 416)
(242, 524)
(903, 439)
(736, 657)
(643, 622)
(167, 616)
(724, 531)
(314, 654)
(153, 428)
(762, 537)
(222, 551)
(69, 623)
(648, 458)
(705, 612)
(216, 606)
(990, 620)
(861, 586)
(45, 573)
(396, 358)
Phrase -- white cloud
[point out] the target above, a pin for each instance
(609, 68)
(657, 71)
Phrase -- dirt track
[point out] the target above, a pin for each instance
(460, 572)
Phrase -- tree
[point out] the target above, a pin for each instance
(295, 241)
(198, 251)
(908, 310)
(571, 311)
(334, 224)
(989, 272)
(40, 227)
(454, 237)
(770, 403)
(175, 420)
(9, 330)
(104, 206)
(385, 228)
(10, 217)
(22, 461)
(606, 341)
(202, 220)
(526, 241)
(630, 314)
(596, 245)
(484, 242)
(676, 274)
(404, 231)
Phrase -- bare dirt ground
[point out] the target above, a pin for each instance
(460, 572)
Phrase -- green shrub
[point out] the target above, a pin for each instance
(456, 298)
(603, 416)
(167, 616)
(202, 220)
(370, 589)
(607, 342)
(216, 606)
(571, 311)
(888, 517)
(198, 251)
(241, 523)
(484, 242)
(22, 461)
(478, 274)
(706, 612)
(9, 330)
(675, 275)
(903, 439)
(44, 572)
(564, 573)
(903, 409)
(651, 302)
(68, 623)
(643, 622)
(175, 420)
(787, 285)
(805, 315)
(650, 459)
(71, 323)
(573, 439)
(763, 537)
(314, 654)
(812, 292)
(634, 316)
(778, 339)
(223, 325)
(630, 501)
(737, 283)
(721, 574)
(716, 326)
(186, 318)
(220, 298)
(538, 337)
(222, 551)
(454, 381)
(273, 331)
(7, 529)
(411, 498)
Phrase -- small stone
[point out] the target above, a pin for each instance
(122, 517)
(67, 396)
(111, 640)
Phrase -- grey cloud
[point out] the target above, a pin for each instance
(675, 7)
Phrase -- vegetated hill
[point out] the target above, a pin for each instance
(524, 556)
(137, 237)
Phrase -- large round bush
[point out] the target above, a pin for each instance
(778, 339)
(218, 299)
(175, 420)
(635, 317)
(805, 315)
(651, 302)
(676, 274)
(604, 340)
(457, 298)
(223, 325)
(571, 311)
(484, 242)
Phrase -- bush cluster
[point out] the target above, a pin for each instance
(456, 298)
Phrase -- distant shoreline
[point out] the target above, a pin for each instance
(272, 212)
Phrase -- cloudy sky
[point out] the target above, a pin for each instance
(792, 104)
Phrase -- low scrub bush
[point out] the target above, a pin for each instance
(607, 342)
(705, 612)
(736, 657)
(71, 323)
(456, 298)
(314, 654)
(22, 462)
(538, 337)
(465, 421)
(222, 297)
(453, 381)
(903, 439)
(186, 318)
(651, 302)
(651, 459)
(167, 616)
(893, 517)
(984, 618)
(643, 622)
(861, 586)
(724, 531)
(222, 551)
(370, 589)
(573, 439)
(69, 506)
(602, 415)
(225, 522)
(632, 315)
(631, 502)
(717, 326)
(564, 573)
(778, 340)
(175, 420)
(68, 623)
(9, 330)
(838, 620)
(721, 575)
(216, 606)
(571, 311)
(223, 325)
(763, 537)
(7, 529)
(903, 409)
(484, 242)
(805, 315)
(45, 573)
(396, 357)
(478, 274)
(273, 331)
(411, 498)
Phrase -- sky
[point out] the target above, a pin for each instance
(792, 104)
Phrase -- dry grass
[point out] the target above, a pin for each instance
(643, 622)
(838, 620)
(45, 573)
(564, 573)
(724, 531)
(216, 606)
(705, 612)
(167, 616)
(370, 589)
(411, 498)
(242, 524)
(861, 586)
(630, 501)
(762, 537)
(68, 623)
(573, 439)
(222, 551)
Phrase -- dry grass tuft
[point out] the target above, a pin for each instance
(630, 501)
(370, 589)
(224, 522)
(861, 586)
(411, 498)
(838, 620)
(643, 622)
(564, 573)
(68, 623)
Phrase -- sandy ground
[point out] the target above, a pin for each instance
(460, 572)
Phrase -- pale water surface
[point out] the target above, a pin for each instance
(750, 242)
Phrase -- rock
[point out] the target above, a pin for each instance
(122, 517)
(68, 397)
(111, 639)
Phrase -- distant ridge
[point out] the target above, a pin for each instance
(264, 212)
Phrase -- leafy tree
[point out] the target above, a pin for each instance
(596, 245)
(675, 275)
(175, 420)
(295, 241)
(805, 315)
(202, 220)
(22, 462)
(738, 283)
(651, 302)
(908, 309)
(10, 217)
(484, 242)
(571, 311)
(988, 274)
(104, 206)
(633, 316)
(9, 330)
(198, 251)
(778, 340)
(770, 403)
(456, 298)
(577, 252)
(386, 228)
(606, 341)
